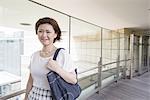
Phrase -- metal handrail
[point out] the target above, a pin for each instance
(24, 90)
(102, 66)
(13, 94)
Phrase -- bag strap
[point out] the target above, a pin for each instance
(56, 53)
(55, 57)
(76, 74)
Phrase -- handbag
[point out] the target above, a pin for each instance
(60, 89)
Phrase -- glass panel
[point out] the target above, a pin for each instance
(11, 47)
(85, 49)
(106, 47)
(110, 50)
(85, 44)
(18, 42)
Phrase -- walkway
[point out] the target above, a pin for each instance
(137, 88)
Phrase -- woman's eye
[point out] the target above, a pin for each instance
(40, 31)
(48, 32)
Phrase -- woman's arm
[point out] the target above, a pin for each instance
(67, 76)
(28, 87)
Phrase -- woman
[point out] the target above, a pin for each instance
(42, 62)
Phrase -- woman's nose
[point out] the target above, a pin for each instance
(44, 34)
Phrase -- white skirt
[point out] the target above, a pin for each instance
(39, 94)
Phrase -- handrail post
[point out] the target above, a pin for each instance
(141, 64)
(118, 67)
(148, 63)
(125, 67)
(99, 74)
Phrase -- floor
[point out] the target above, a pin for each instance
(137, 88)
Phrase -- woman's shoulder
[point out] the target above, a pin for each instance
(63, 53)
(36, 53)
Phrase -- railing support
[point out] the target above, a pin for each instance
(99, 74)
(118, 67)
(148, 63)
(125, 68)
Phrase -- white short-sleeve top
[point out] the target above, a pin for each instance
(39, 71)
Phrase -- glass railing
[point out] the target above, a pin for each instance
(93, 77)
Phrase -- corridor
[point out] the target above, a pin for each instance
(137, 88)
(110, 47)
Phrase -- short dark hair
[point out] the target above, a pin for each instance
(51, 21)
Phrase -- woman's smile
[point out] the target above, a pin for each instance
(46, 34)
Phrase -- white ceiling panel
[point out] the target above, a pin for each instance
(111, 14)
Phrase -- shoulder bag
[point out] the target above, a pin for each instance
(62, 90)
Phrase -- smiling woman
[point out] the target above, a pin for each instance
(48, 33)
(48, 29)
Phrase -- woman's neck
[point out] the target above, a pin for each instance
(48, 48)
(47, 51)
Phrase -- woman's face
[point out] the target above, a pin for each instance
(46, 34)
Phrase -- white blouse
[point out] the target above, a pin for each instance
(39, 71)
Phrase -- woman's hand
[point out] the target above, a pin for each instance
(52, 65)
(67, 76)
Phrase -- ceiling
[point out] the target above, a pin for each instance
(110, 14)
